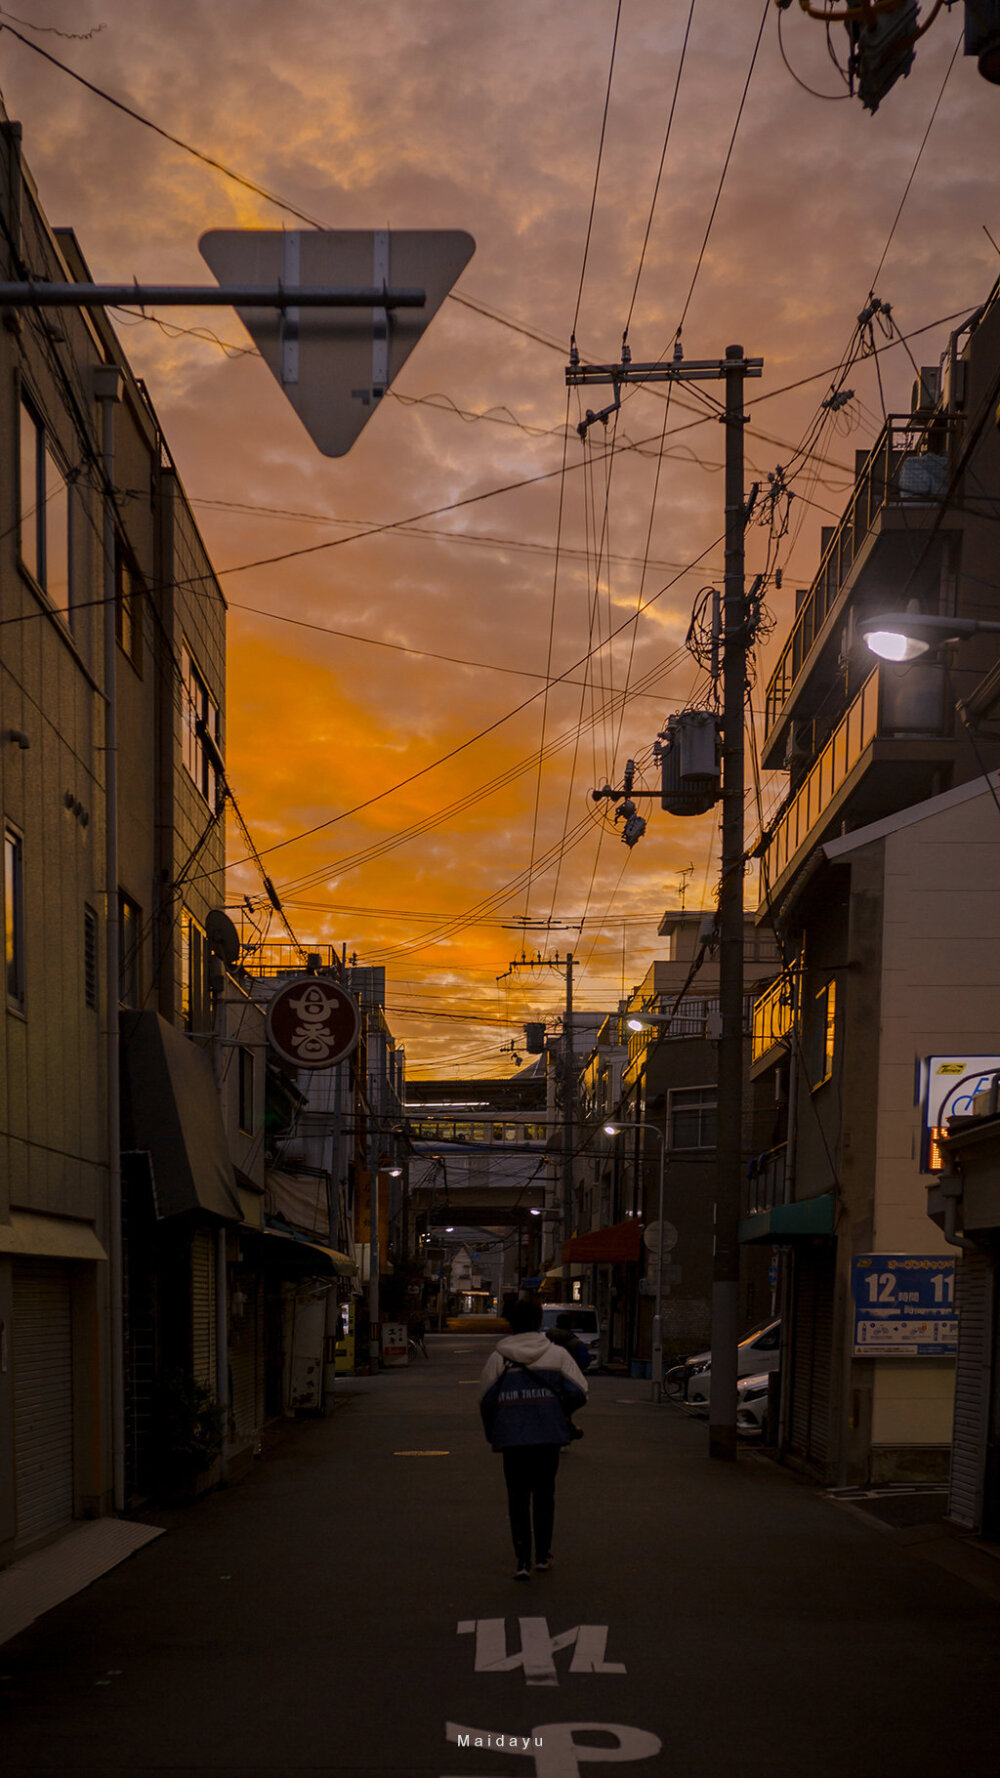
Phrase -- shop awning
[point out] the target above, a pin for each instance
(620, 1244)
(49, 1237)
(171, 1110)
(293, 1253)
(785, 1222)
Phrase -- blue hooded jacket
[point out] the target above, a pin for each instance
(530, 1387)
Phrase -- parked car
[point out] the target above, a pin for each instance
(583, 1321)
(758, 1352)
(751, 1404)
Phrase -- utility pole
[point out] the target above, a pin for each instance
(729, 1137)
(734, 369)
(568, 1090)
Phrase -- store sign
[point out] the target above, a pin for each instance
(904, 1305)
(948, 1086)
(313, 1023)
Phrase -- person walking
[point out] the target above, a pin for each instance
(563, 1335)
(529, 1389)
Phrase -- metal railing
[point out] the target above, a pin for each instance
(879, 484)
(764, 1186)
(773, 1015)
(805, 810)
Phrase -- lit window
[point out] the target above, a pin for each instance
(44, 517)
(130, 953)
(13, 916)
(693, 1117)
(128, 592)
(195, 1006)
(201, 730)
(822, 1034)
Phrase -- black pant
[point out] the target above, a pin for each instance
(530, 1474)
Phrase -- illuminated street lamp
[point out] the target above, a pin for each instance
(647, 1021)
(612, 1129)
(906, 635)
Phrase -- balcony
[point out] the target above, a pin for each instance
(885, 752)
(764, 1185)
(773, 1017)
(893, 483)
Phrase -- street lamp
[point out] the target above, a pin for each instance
(906, 635)
(612, 1129)
(647, 1021)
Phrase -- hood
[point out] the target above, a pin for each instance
(526, 1348)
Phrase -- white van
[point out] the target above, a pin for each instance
(583, 1321)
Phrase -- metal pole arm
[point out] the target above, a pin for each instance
(208, 296)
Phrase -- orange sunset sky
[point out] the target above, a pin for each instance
(457, 114)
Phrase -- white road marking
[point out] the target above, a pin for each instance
(589, 1643)
(554, 1749)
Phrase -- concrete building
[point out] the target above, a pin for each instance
(876, 875)
(665, 1077)
(112, 686)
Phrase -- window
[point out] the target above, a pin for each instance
(89, 957)
(44, 527)
(245, 1057)
(13, 916)
(130, 951)
(195, 1008)
(201, 730)
(822, 1033)
(129, 588)
(692, 1117)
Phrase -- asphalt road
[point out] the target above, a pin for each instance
(329, 1615)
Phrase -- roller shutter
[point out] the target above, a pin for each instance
(812, 1354)
(246, 1382)
(43, 1398)
(203, 1310)
(974, 1301)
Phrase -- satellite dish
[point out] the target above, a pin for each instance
(222, 936)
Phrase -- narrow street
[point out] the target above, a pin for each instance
(322, 1617)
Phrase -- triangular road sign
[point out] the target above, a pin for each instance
(335, 364)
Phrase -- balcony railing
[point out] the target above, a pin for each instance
(889, 705)
(764, 1186)
(773, 1015)
(882, 482)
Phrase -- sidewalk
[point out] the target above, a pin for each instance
(329, 1614)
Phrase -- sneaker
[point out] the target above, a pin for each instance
(522, 1573)
(544, 1564)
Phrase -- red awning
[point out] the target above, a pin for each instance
(621, 1244)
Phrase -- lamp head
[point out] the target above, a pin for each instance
(636, 1024)
(611, 1129)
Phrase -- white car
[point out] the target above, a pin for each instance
(751, 1404)
(758, 1352)
(583, 1322)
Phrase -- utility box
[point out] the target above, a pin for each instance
(690, 766)
(534, 1039)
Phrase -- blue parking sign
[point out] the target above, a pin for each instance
(904, 1305)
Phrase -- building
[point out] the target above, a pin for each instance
(477, 1177)
(662, 1077)
(875, 879)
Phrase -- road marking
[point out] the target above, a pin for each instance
(421, 1453)
(589, 1643)
(554, 1749)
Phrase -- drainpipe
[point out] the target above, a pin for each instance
(221, 1257)
(107, 388)
(950, 1190)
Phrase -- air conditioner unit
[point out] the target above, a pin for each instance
(926, 392)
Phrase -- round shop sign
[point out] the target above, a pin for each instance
(313, 1023)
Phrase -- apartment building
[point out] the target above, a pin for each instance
(878, 875)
